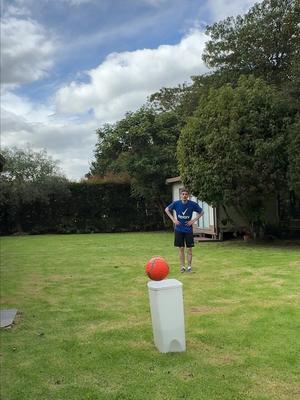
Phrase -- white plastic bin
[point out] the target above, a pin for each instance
(167, 314)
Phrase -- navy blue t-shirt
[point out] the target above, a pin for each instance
(184, 213)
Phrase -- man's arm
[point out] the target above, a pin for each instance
(171, 216)
(192, 221)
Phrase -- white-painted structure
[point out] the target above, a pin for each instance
(167, 315)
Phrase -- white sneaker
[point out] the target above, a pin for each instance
(182, 269)
(189, 269)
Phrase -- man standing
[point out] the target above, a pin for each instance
(183, 222)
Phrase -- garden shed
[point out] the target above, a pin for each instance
(216, 222)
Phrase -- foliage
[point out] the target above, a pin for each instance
(294, 156)
(110, 177)
(143, 145)
(234, 149)
(291, 87)
(263, 42)
(28, 165)
(168, 99)
(28, 177)
(83, 207)
(181, 100)
(108, 207)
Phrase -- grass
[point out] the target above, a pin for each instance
(84, 330)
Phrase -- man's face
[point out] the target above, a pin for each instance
(184, 196)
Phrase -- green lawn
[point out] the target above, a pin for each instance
(84, 329)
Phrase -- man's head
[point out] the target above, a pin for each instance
(184, 194)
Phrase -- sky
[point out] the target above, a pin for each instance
(70, 66)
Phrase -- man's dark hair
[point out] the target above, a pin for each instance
(184, 190)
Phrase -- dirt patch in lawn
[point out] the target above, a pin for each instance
(276, 389)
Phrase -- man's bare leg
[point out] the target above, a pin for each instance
(182, 259)
(189, 258)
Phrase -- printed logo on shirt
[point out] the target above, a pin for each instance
(183, 216)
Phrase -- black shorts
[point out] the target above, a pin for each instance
(183, 239)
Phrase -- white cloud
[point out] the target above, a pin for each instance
(151, 2)
(69, 140)
(78, 2)
(27, 53)
(17, 11)
(121, 83)
(221, 9)
(23, 107)
(124, 80)
(155, 2)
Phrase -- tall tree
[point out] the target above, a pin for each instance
(143, 145)
(181, 100)
(234, 149)
(264, 42)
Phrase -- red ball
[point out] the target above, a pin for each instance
(157, 268)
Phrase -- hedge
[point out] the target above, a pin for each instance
(83, 208)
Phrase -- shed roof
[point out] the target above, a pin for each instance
(173, 180)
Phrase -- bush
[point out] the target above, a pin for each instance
(84, 208)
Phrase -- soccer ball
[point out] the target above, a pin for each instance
(157, 268)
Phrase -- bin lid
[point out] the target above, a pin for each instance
(165, 284)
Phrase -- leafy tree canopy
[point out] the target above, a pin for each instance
(263, 42)
(28, 165)
(234, 149)
(181, 100)
(143, 145)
